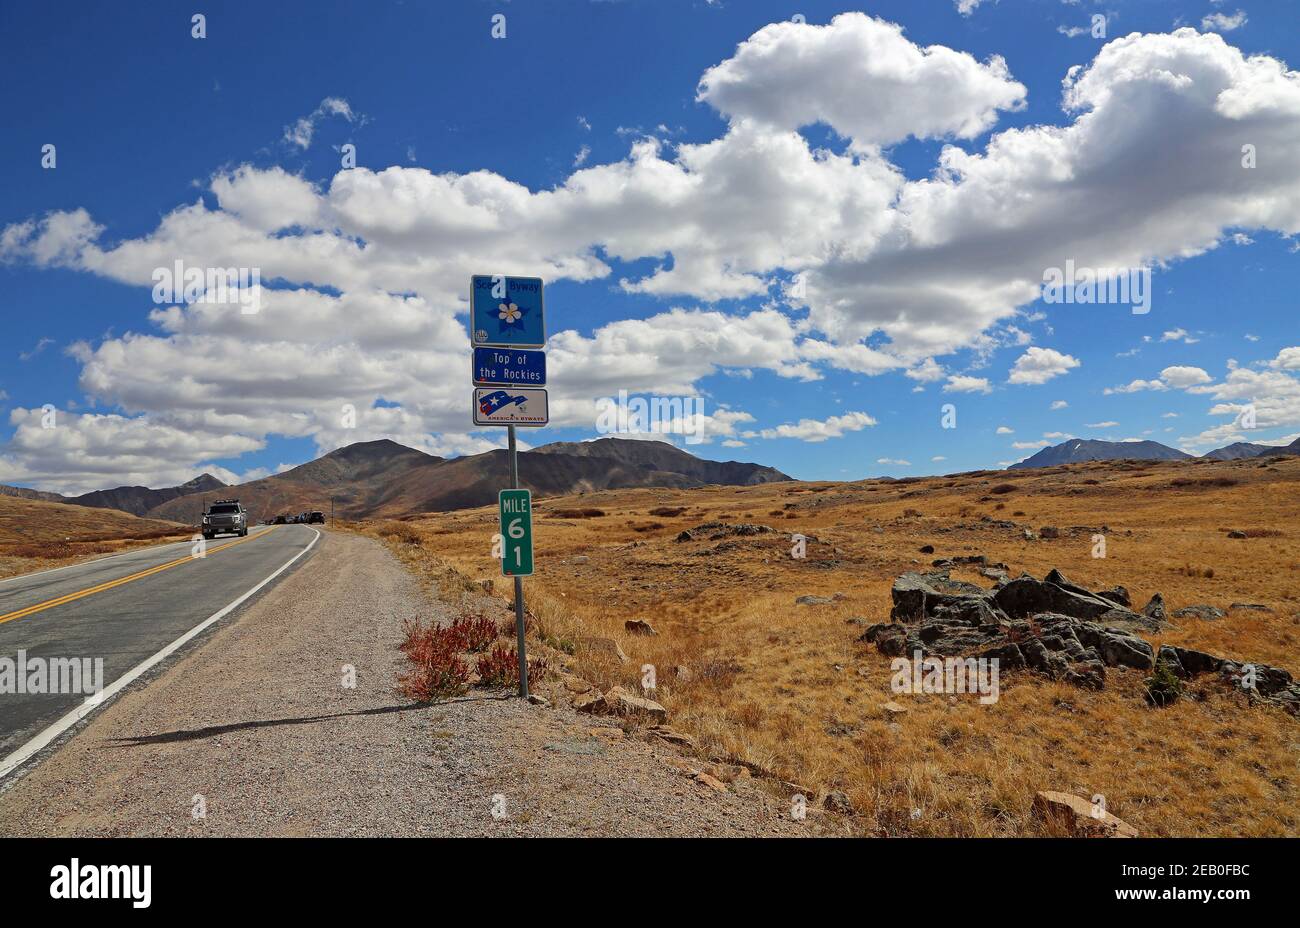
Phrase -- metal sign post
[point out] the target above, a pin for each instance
(507, 326)
(519, 580)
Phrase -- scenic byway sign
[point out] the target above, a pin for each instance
(516, 532)
(514, 406)
(506, 321)
(506, 312)
(509, 367)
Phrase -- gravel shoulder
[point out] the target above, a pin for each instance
(257, 730)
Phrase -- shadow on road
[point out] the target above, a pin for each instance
(208, 731)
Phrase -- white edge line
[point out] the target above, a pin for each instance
(100, 560)
(45, 738)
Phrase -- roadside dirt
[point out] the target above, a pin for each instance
(256, 730)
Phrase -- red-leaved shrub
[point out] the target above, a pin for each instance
(437, 669)
(500, 667)
(473, 632)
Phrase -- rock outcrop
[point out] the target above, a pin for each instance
(715, 531)
(1056, 628)
(1200, 611)
(1260, 681)
(622, 701)
(1051, 626)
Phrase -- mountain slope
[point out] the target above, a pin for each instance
(383, 478)
(25, 493)
(33, 521)
(661, 456)
(135, 500)
(564, 468)
(36, 534)
(1077, 450)
(1238, 451)
(472, 481)
(139, 500)
(360, 477)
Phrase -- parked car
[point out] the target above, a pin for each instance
(315, 517)
(280, 520)
(225, 517)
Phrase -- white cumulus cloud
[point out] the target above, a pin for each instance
(1039, 365)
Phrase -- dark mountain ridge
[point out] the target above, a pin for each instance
(135, 500)
(663, 457)
(1076, 450)
(139, 500)
(385, 479)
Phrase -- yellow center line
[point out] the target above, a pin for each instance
(72, 597)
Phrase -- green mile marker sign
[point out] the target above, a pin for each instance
(516, 532)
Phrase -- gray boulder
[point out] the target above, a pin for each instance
(968, 610)
(1055, 576)
(916, 595)
(1089, 675)
(1026, 596)
(1269, 681)
(997, 574)
(810, 600)
(952, 640)
(1126, 651)
(1155, 609)
(1118, 595)
(1007, 654)
(1129, 621)
(889, 638)
(1200, 611)
(1184, 662)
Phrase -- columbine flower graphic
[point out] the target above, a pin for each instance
(509, 313)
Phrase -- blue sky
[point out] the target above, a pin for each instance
(918, 182)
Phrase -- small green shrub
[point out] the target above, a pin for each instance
(1163, 686)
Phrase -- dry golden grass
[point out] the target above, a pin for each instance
(787, 689)
(35, 535)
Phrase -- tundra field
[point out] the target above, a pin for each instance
(37, 535)
(790, 692)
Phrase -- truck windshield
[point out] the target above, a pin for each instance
(224, 510)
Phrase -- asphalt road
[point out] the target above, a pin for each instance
(125, 610)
